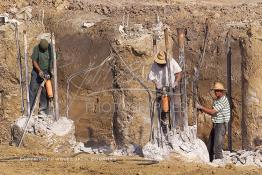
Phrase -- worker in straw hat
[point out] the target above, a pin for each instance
(220, 117)
(159, 76)
(159, 73)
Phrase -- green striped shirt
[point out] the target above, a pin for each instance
(222, 107)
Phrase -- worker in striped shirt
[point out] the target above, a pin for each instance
(220, 117)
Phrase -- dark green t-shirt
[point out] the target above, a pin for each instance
(43, 58)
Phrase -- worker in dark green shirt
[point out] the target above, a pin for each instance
(42, 65)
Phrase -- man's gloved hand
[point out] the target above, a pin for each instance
(198, 106)
(174, 84)
(41, 74)
(47, 76)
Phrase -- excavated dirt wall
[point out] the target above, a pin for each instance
(251, 66)
(10, 103)
(90, 99)
(132, 126)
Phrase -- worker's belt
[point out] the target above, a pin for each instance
(225, 124)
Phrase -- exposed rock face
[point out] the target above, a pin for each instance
(131, 119)
(85, 73)
(252, 96)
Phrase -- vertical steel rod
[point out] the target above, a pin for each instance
(154, 46)
(181, 42)
(229, 88)
(19, 61)
(26, 74)
(197, 72)
(168, 60)
(152, 115)
(127, 21)
(55, 77)
(43, 16)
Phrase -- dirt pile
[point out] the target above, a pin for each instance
(184, 143)
(242, 157)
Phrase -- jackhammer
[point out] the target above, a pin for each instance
(47, 83)
(163, 107)
(50, 95)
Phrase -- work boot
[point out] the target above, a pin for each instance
(42, 113)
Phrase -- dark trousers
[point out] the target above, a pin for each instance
(34, 85)
(216, 141)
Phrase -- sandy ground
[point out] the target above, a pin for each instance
(164, 2)
(27, 162)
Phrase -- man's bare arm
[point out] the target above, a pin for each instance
(208, 111)
(36, 66)
(178, 76)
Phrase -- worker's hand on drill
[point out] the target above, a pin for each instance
(41, 74)
(198, 106)
(47, 76)
(44, 75)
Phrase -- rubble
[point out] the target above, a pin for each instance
(187, 145)
(24, 13)
(129, 150)
(88, 24)
(14, 15)
(155, 152)
(61, 127)
(184, 143)
(7, 20)
(80, 147)
(53, 133)
(241, 157)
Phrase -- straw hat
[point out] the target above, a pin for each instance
(161, 58)
(218, 86)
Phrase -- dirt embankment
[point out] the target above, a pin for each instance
(192, 18)
(68, 17)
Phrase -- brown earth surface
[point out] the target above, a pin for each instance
(25, 162)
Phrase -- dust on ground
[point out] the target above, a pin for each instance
(22, 161)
